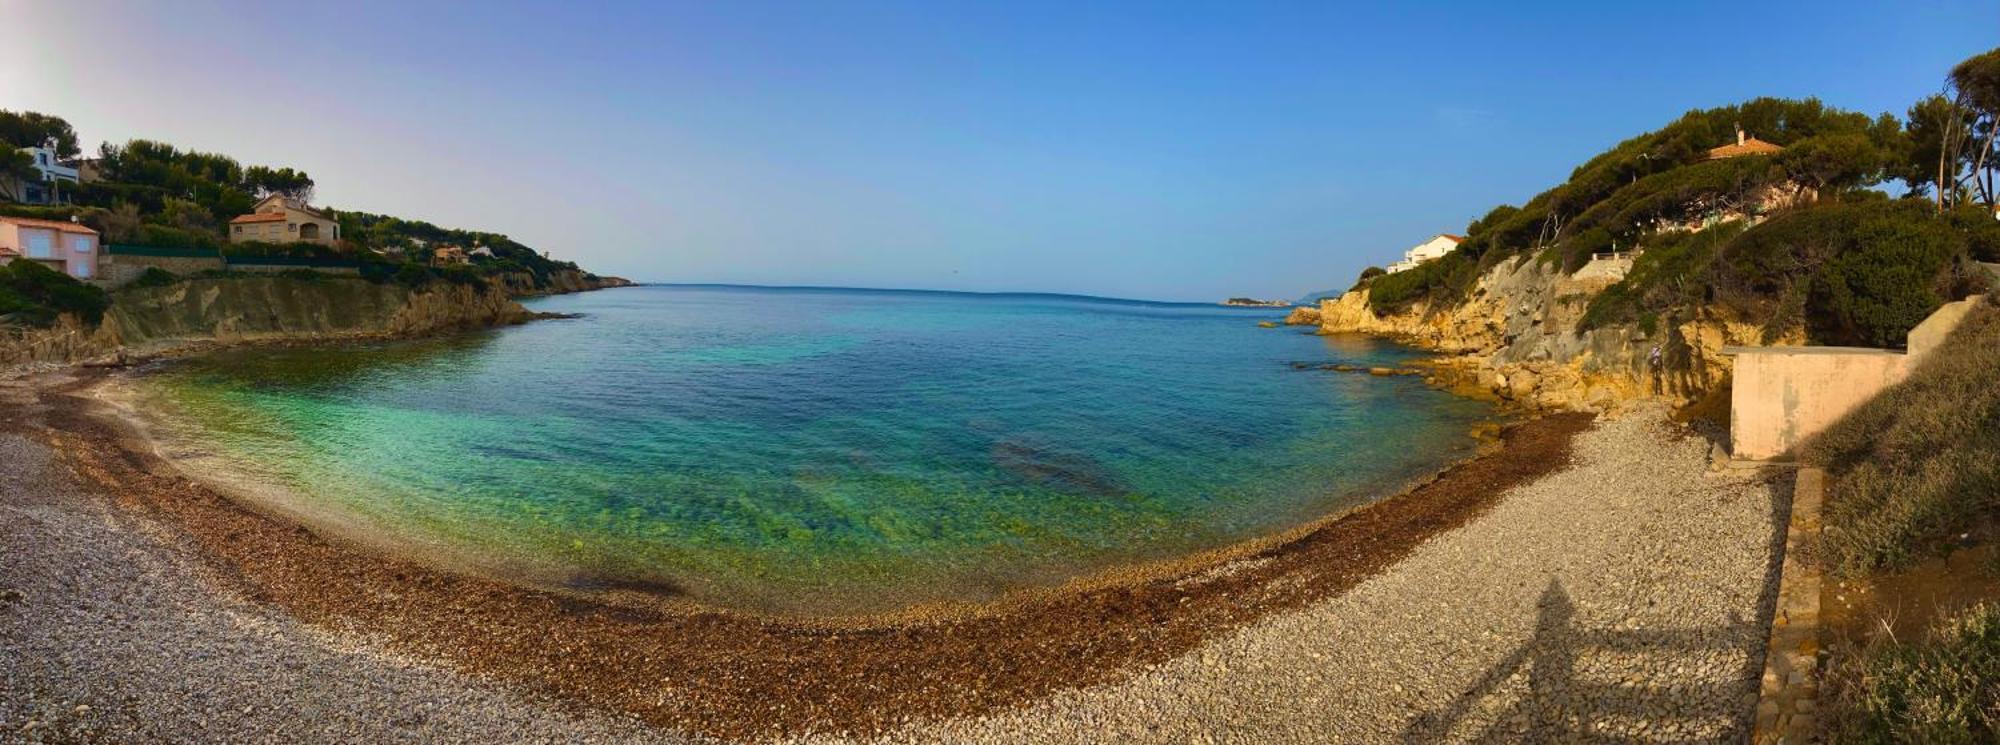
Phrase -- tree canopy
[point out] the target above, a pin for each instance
(35, 129)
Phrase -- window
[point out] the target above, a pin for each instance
(40, 244)
(291, 227)
(239, 230)
(79, 244)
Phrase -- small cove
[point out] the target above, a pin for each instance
(820, 451)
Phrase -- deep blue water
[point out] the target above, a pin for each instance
(810, 450)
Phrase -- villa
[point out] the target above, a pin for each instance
(449, 256)
(46, 188)
(282, 219)
(1435, 248)
(66, 247)
(1745, 145)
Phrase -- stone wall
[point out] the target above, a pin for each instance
(122, 269)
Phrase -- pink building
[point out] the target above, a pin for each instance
(63, 246)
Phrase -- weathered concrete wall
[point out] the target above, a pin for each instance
(1783, 395)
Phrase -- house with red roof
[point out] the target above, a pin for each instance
(64, 246)
(282, 219)
(1745, 145)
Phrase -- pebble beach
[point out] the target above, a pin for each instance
(1623, 594)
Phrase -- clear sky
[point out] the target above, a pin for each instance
(1156, 150)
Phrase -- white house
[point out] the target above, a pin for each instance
(1435, 248)
(47, 189)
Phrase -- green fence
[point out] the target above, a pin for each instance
(250, 262)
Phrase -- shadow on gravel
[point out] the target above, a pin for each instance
(1561, 707)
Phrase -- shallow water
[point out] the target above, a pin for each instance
(814, 451)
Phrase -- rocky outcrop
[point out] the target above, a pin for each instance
(268, 308)
(146, 321)
(521, 284)
(1518, 336)
(1304, 315)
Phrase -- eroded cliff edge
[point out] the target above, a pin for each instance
(144, 321)
(1519, 335)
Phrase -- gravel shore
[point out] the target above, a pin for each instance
(110, 632)
(1623, 598)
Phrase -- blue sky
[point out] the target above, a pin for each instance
(1169, 151)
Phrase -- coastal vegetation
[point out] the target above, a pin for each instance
(154, 194)
(1916, 471)
(35, 295)
(1798, 239)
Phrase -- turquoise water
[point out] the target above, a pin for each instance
(823, 450)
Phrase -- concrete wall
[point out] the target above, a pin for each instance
(1782, 395)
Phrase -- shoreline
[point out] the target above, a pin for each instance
(120, 405)
(764, 676)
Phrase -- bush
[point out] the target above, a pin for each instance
(1367, 275)
(413, 275)
(1446, 277)
(1868, 271)
(37, 295)
(154, 277)
(1919, 465)
(1941, 689)
(1671, 274)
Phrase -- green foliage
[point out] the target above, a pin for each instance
(1367, 275)
(1944, 688)
(1443, 278)
(1936, 126)
(36, 295)
(1670, 275)
(385, 233)
(293, 250)
(33, 129)
(212, 183)
(1918, 465)
(1617, 198)
(154, 277)
(1869, 271)
(413, 275)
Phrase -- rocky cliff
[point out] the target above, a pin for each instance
(266, 308)
(1518, 335)
(559, 283)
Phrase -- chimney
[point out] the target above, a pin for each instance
(1739, 133)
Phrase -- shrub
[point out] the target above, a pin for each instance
(1919, 465)
(37, 295)
(1868, 271)
(1671, 274)
(154, 277)
(1449, 276)
(413, 275)
(1367, 275)
(1944, 688)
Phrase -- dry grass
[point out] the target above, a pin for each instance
(1944, 688)
(1917, 470)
